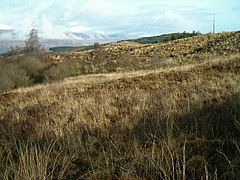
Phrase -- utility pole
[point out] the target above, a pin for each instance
(214, 24)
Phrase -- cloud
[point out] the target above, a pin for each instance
(5, 27)
(79, 28)
(54, 18)
(176, 20)
(6, 31)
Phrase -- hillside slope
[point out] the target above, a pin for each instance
(114, 57)
(164, 38)
(131, 56)
(184, 51)
(172, 123)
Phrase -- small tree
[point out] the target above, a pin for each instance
(96, 45)
(32, 44)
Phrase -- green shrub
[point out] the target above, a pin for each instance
(11, 77)
(20, 72)
(33, 67)
(62, 70)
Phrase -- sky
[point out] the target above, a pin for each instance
(137, 18)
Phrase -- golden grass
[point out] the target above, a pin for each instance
(114, 60)
(172, 123)
(188, 50)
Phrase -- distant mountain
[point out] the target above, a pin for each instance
(91, 37)
(79, 35)
(5, 45)
(3, 49)
(4, 31)
(10, 39)
(83, 39)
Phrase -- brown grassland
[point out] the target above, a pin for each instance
(175, 116)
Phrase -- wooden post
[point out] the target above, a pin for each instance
(214, 24)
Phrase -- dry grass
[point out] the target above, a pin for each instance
(173, 123)
(125, 56)
(117, 59)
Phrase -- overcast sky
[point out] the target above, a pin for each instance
(130, 17)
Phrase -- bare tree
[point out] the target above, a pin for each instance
(32, 44)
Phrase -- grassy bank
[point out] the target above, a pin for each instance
(182, 123)
(27, 70)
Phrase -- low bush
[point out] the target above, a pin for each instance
(62, 70)
(20, 72)
(12, 76)
(33, 67)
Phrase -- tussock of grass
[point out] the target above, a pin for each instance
(174, 124)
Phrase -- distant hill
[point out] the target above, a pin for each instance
(164, 38)
(70, 48)
(145, 40)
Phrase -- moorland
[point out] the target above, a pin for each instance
(124, 110)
